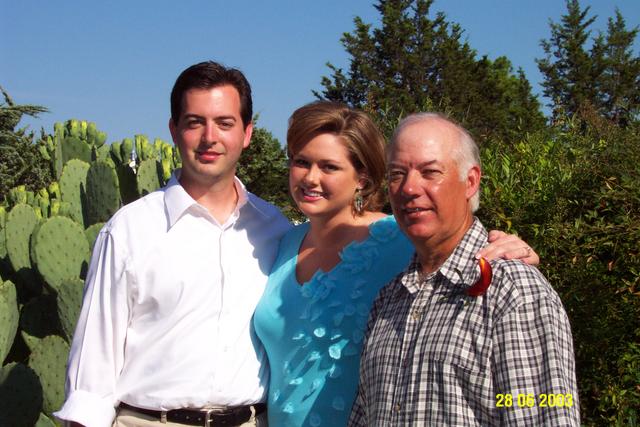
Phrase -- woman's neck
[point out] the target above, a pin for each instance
(339, 230)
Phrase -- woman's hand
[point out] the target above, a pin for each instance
(508, 246)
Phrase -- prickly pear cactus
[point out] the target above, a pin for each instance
(92, 233)
(3, 237)
(126, 150)
(20, 396)
(38, 318)
(94, 136)
(75, 148)
(128, 183)
(44, 421)
(48, 359)
(20, 223)
(101, 153)
(61, 250)
(147, 177)
(103, 193)
(9, 317)
(73, 187)
(116, 155)
(69, 300)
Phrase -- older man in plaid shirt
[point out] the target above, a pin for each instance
(435, 355)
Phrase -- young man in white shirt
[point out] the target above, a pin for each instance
(175, 277)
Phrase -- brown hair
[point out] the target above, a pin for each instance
(207, 75)
(360, 135)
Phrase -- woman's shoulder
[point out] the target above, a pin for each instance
(385, 228)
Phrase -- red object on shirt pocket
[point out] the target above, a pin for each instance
(481, 286)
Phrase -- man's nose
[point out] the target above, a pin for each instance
(210, 135)
(411, 185)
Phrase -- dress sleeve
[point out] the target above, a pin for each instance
(97, 350)
(533, 364)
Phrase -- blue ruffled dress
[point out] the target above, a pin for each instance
(313, 333)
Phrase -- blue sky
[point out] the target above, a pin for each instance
(114, 62)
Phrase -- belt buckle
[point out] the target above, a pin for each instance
(207, 417)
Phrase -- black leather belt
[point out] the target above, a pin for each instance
(203, 417)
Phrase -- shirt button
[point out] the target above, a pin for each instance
(397, 407)
(416, 315)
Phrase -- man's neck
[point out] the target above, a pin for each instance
(220, 198)
(432, 254)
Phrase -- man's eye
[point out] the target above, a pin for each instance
(226, 125)
(395, 175)
(191, 124)
(300, 162)
(429, 172)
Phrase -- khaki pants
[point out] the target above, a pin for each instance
(127, 418)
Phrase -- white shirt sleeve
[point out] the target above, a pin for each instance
(97, 350)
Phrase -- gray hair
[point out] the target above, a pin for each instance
(466, 155)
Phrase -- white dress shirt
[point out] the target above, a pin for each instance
(167, 308)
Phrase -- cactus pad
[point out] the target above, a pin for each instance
(92, 233)
(48, 359)
(126, 149)
(74, 148)
(20, 223)
(148, 177)
(8, 317)
(3, 237)
(128, 183)
(39, 318)
(60, 250)
(44, 421)
(103, 193)
(73, 184)
(20, 396)
(69, 303)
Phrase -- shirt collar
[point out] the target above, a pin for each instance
(459, 268)
(178, 201)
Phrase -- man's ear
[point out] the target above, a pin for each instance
(248, 131)
(173, 130)
(473, 181)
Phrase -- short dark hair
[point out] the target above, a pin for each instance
(357, 131)
(207, 75)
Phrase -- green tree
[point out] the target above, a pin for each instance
(619, 84)
(264, 169)
(20, 161)
(604, 78)
(569, 70)
(415, 62)
(573, 192)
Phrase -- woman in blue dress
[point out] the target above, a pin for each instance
(312, 316)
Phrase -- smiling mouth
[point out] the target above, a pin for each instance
(309, 194)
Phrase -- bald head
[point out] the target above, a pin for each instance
(463, 148)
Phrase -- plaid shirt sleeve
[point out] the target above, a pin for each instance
(533, 361)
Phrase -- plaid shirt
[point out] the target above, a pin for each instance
(434, 356)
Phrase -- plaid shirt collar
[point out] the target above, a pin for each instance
(458, 270)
